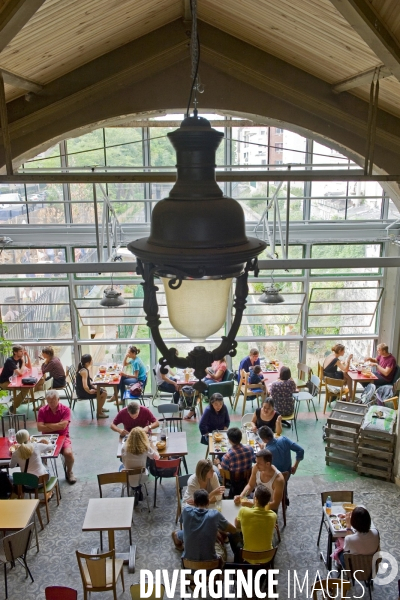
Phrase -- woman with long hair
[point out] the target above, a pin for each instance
(27, 451)
(86, 390)
(137, 367)
(267, 415)
(216, 372)
(281, 392)
(336, 368)
(135, 452)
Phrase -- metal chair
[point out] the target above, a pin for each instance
(330, 587)
(286, 475)
(44, 484)
(100, 572)
(163, 469)
(247, 418)
(17, 421)
(175, 420)
(304, 373)
(307, 397)
(58, 592)
(15, 548)
(336, 496)
(181, 482)
(75, 399)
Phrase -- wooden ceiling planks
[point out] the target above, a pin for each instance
(389, 12)
(65, 34)
(309, 34)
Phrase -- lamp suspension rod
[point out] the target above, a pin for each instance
(286, 252)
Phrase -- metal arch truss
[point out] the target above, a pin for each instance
(199, 358)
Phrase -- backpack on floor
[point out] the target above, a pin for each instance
(368, 395)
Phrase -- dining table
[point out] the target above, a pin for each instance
(5, 453)
(111, 515)
(358, 377)
(17, 385)
(334, 534)
(110, 378)
(176, 446)
(17, 514)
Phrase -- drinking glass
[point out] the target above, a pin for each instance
(11, 436)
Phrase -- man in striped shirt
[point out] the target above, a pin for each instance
(238, 461)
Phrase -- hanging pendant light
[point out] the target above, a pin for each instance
(112, 297)
(197, 245)
(271, 294)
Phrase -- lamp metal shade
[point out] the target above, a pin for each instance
(112, 298)
(271, 295)
(197, 229)
(197, 309)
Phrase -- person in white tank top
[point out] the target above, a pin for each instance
(266, 474)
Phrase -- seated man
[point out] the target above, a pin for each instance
(249, 362)
(264, 473)
(237, 460)
(200, 529)
(134, 415)
(52, 367)
(256, 524)
(166, 383)
(55, 418)
(385, 365)
(18, 363)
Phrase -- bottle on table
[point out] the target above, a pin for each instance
(328, 505)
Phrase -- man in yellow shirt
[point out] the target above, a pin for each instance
(256, 525)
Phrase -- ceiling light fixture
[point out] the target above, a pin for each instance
(197, 245)
(271, 294)
(112, 298)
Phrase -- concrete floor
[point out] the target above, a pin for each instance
(95, 448)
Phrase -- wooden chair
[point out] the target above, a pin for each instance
(135, 592)
(58, 592)
(237, 481)
(204, 565)
(181, 482)
(15, 548)
(247, 418)
(336, 496)
(331, 392)
(100, 572)
(39, 396)
(361, 568)
(174, 420)
(304, 373)
(264, 559)
(109, 479)
(329, 589)
(44, 484)
(250, 391)
(321, 377)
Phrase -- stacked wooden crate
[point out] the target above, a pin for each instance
(342, 432)
(376, 448)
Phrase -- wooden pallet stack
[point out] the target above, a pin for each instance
(376, 453)
(342, 432)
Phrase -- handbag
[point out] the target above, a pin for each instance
(28, 380)
(136, 389)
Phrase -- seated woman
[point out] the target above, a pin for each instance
(135, 452)
(336, 368)
(267, 415)
(85, 389)
(28, 452)
(204, 478)
(282, 391)
(216, 372)
(215, 416)
(138, 370)
(52, 367)
(365, 540)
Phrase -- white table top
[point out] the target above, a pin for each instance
(103, 514)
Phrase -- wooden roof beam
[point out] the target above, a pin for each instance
(366, 21)
(14, 16)
(21, 82)
(360, 79)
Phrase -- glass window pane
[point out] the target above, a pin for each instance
(86, 150)
(162, 153)
(33, 256)
(123, 146)
(286, 351)
(105, 354)
(294, 252)
(124, 198)
(346, 251)
(393, 212)
(317, 350)
(49, 159)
